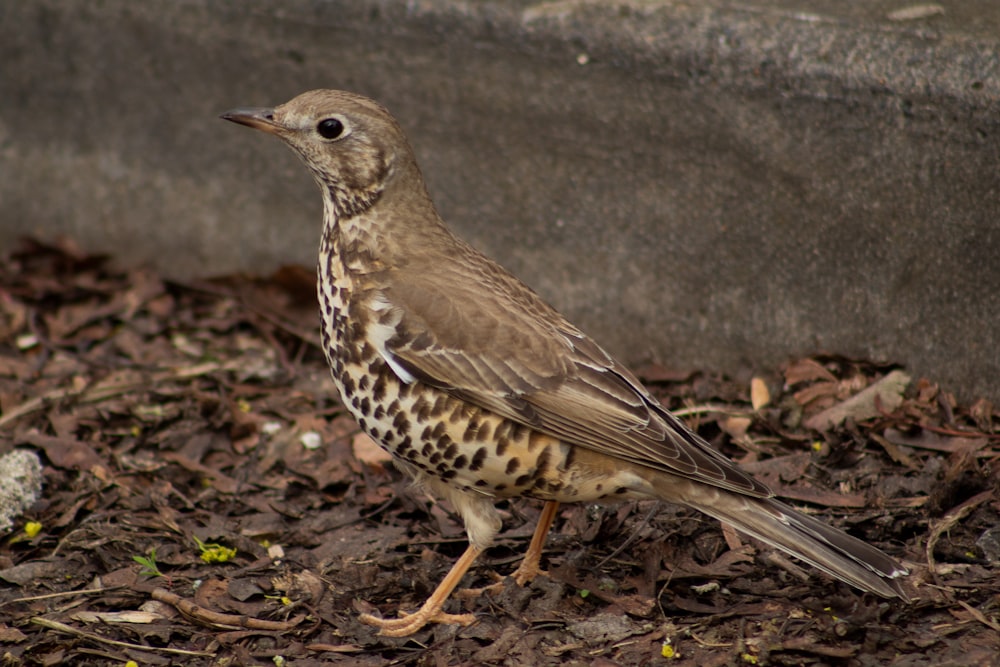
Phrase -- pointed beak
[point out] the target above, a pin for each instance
(259, 118)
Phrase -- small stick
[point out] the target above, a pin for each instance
(218, 619)
(68, 629)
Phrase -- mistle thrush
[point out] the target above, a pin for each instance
(482, 391)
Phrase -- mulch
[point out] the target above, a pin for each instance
(207, 501)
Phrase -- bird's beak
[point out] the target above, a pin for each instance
(258, 118)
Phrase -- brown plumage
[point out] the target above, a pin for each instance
(481, 390)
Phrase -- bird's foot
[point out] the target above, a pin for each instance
(430, 612)
(469, 593)
(522, 575)
(527, 571)
(408, 624)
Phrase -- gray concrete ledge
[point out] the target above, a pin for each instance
(708, 184)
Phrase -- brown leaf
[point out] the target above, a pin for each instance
(925, 439)
(9, 635)
(896, 453)
(124, 577)
(982, 413)
(13, 315)
(31, 571)
(220, 481)
(17, 367)
(736, 427)
(760, 395)
(821, 497)
(603, 629)
(816, 392)
(807, 370)
(68, 453)
(637, 605)
(368, 451)
(788, 468)
(213, 594)
(884, 396)
(696, 607)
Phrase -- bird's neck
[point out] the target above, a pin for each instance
(398, 228)
(351, 244)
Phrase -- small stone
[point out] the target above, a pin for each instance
(989, 544)
(311, 440)
(20, 484)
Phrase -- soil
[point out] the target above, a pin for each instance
(207, 501)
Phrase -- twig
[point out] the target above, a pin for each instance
(218, 619)
(940, 430)
(68, 629)
(980, 616)
(334, 648)
(100, 392)
(49, 596)
(633, 536)
(953, 516)
(708, 407)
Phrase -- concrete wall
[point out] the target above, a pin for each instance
(708, 184)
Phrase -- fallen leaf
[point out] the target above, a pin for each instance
(736, 427)
(68, 453)
(31, 571)
(807, 370)
(760, 395)
(929, 440)
(368, 451)
(131, 616)
(884, 396)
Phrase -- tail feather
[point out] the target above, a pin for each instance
(824, 547)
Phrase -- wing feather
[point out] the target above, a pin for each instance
(511, 353)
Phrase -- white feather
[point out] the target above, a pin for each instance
(381, 331)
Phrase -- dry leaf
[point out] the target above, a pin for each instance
(807, 370)
(760, 395)
(368, 451)
(131, 616)
(736, 427)
(882, 397)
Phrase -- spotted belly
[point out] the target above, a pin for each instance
(431, 433)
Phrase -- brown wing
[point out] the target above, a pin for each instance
(493, 342)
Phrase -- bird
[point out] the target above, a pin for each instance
(479, 389)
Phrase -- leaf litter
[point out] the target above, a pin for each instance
(207, 501)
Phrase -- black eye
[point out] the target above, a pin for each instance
(331, 128)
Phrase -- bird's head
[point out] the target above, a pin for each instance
(352, 145)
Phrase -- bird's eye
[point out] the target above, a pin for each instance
(330, 128)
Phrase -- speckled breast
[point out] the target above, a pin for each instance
(436, 434)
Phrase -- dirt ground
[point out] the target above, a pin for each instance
(207, 502)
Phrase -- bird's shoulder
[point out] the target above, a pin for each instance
(460, 310)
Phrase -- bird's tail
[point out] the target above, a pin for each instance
(824, 547)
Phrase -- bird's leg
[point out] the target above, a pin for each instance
(529, 567)
(430, 612)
